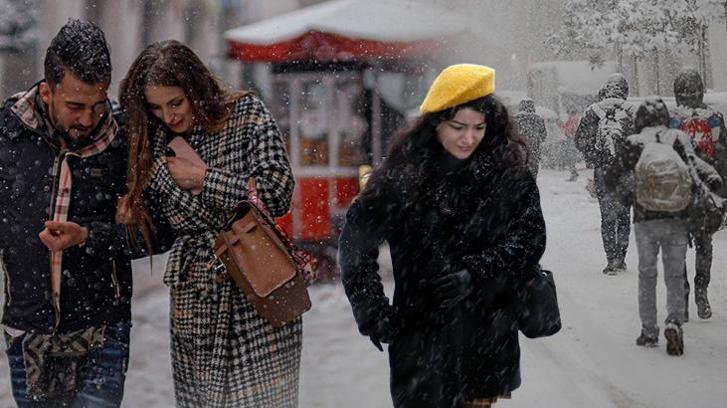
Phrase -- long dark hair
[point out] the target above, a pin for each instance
(166, 63)
(416, 149)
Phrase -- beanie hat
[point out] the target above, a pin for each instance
(458, 84)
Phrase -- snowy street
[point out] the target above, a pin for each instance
(592, 362)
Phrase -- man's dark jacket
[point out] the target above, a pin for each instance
(96, 279)
(485, 218)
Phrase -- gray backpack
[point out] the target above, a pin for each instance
(663, 181)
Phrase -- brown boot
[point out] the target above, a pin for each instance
(674, 339)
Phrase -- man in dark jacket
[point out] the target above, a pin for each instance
(706, 127)
(66, 316)
(600, 137)
(532, 127)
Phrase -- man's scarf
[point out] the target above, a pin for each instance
(32, 113)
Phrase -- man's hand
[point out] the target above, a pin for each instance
(58, 236)
(185, 174)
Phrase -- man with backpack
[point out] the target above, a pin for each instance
(600, 137)
(706, 127)
(665, 175)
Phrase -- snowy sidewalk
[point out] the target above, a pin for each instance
(592, 362)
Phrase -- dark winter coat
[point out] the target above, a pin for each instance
(96, 281)
(532, 127)
(620, 175)
(484, 217)
(612, 95)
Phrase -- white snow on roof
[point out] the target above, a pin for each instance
(378, 20)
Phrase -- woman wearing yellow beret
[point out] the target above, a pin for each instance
(462, 217)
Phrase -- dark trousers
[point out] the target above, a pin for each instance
(702, 263)
(615, 220)
(101, 375)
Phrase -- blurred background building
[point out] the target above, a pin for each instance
(508, 35)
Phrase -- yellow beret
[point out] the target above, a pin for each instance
(458, 84)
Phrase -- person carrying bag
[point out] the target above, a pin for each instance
(261, 261)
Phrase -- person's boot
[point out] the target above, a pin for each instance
(704, 310)
(647, 341)
(610, 269)
(674, 339)
(620, 267)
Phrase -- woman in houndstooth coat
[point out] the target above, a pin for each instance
(223, 353)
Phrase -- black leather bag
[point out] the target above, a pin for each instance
(537, 305)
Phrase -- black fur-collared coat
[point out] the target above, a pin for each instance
(483, 216)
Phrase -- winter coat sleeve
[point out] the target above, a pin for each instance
(358, 250)
(108, 239)
(521, 243)
(268, 164)
(585, 137)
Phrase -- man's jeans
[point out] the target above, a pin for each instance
(615, 220)
(671, 237)
(100, 378)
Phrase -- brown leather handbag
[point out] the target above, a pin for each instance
(258, 258)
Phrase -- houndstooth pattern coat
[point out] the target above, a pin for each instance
(223, 353)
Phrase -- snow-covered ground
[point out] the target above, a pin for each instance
(592, 362)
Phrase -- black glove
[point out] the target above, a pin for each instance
(451, 289)
(380, 331)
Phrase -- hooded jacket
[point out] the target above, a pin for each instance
(531, 126)
(612, 96)
(95, 284)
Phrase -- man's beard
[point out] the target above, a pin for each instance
(73, 142)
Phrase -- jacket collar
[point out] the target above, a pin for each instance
(33, 115)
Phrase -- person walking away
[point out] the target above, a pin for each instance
(665, 171)
(532, 127)
(66, 314)
(570, 153)
(461, 213)
(224, 354)
(707, 128)
(600, 138)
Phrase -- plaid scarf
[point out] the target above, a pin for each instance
(32, 112)
(52, 361)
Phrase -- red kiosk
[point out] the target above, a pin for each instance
(327, 62)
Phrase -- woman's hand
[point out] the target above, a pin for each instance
(451, 289)
(187, 175)
(381, 331)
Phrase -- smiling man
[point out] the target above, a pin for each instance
(66, 316)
